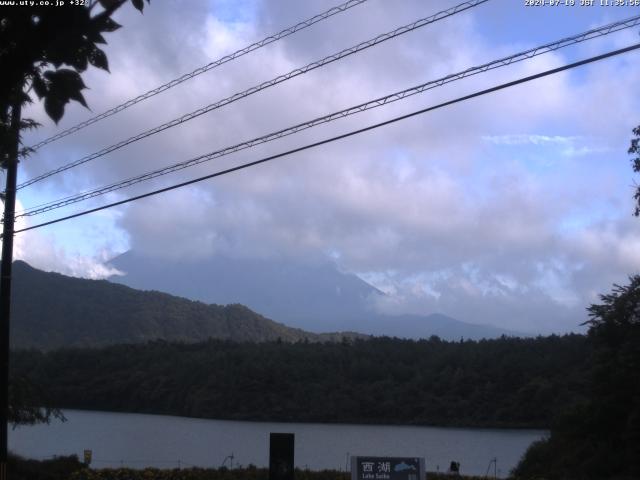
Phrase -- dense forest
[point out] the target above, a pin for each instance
(507, 382)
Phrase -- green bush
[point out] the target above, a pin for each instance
(60, 468)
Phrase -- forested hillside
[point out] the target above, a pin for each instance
(506, 382)
(52, 311)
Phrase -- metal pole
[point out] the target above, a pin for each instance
(11, 166)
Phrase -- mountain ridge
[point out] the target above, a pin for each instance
(75, 312)
(313, 296)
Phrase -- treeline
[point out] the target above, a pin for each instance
(600, 437)
(507, 382)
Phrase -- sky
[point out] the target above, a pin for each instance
(512, 209)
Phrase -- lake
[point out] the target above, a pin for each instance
(135, 440)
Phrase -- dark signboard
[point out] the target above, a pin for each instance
(281, 453)
(387, 468)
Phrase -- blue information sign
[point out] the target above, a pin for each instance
(387, 468)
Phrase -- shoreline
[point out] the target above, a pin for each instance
(318, 422)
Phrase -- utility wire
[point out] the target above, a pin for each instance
(340, 137)
(275, 81)
(210, 66)
(378, 102)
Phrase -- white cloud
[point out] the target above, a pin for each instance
(41, 250)
(524, 139)
(466, 225)
(567, 146)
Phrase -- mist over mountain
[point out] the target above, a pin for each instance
(313, 296)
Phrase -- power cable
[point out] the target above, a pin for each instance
(340, 137)
(275, 81)
(378, 102)
(187, 76)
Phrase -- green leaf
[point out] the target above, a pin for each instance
(102, 22)
(64, 85)
(79, 60)
(65, 80)
(96, 37)
(109, 25)
(78, 97)
(39, 85)
(25, 98)
(54, 107)
(138, 4)
(98, 59)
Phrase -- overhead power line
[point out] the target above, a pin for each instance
(378, 102)
(339, 137)
(270, 83)
(210, 66)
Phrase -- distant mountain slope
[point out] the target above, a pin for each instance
(52, 310)
(423, 326)
(314, 297)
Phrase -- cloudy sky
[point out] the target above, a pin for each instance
(513, 209)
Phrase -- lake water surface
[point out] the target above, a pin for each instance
(134, 440)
